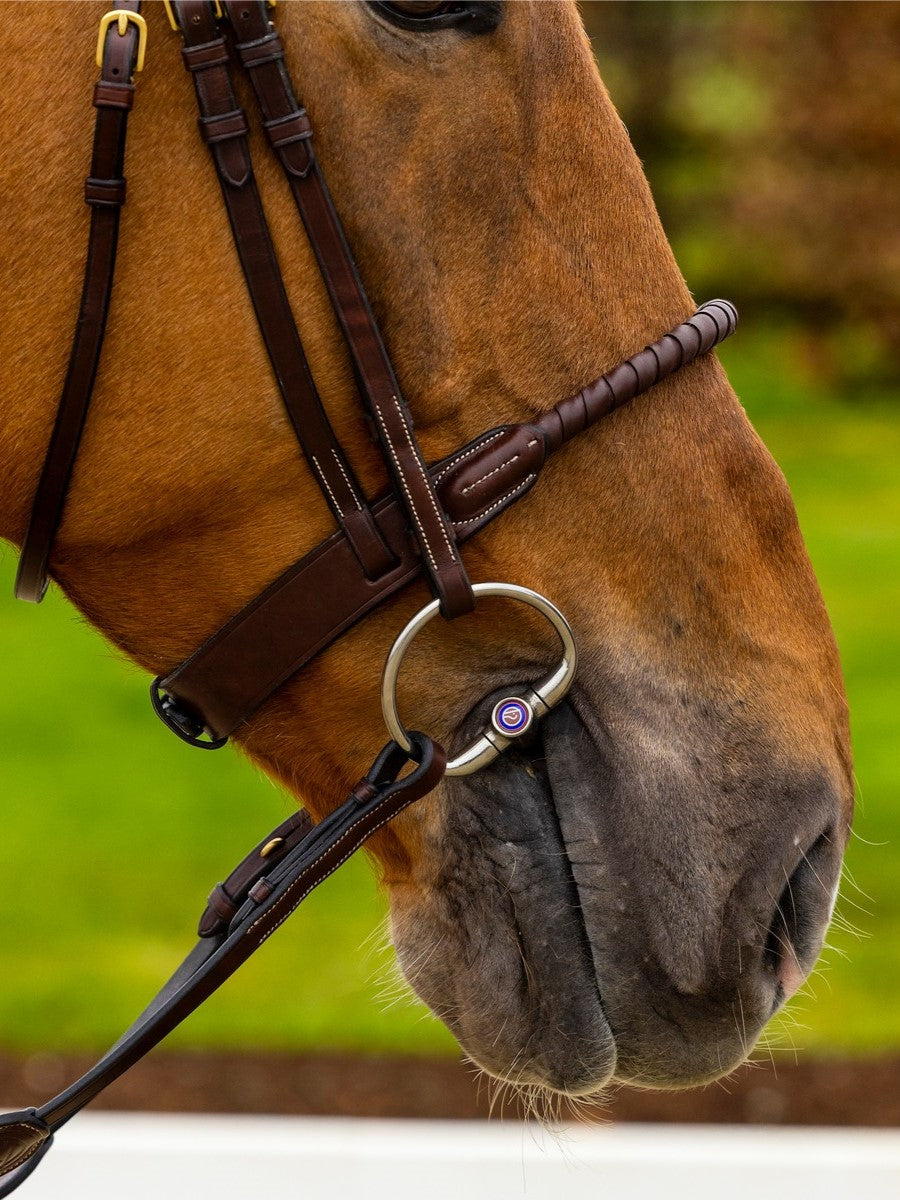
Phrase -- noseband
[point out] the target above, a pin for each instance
(377, 547)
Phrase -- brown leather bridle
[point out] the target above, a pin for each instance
(376, 549)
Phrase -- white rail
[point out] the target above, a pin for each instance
(142, 1157)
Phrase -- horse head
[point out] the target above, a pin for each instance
(636, 891)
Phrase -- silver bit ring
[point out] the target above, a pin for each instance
(512, 716)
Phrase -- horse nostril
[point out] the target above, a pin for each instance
(802, 914)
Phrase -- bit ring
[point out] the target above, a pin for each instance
(514, 714)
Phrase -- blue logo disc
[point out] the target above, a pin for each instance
(512, 716)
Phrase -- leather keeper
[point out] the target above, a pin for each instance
(260, 891)
(291, 138)
(223, 128)
(113, 95)
(226, 898)
(104, 193)
(209, 54)
(295, 127)
(221, 903)
(263, 50)
(503, 463)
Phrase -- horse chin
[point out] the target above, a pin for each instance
(571, 933)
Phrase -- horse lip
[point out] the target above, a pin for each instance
(568, 1045)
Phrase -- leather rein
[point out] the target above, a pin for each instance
(377, 547)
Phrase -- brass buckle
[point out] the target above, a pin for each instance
(220, 15)
(123, 17)
(170, 13)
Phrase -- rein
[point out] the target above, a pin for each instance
(377, 548)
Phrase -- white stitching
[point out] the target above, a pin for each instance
(325, 484)
(526, 482)
(496, 470)
(322, 879)
(458, 458)
(26, 1154)
(350, 487)
(429, 485)
(402, 477)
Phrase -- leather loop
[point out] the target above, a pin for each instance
(113, 94)
(262, 50)
(205, 55)
(108, 193)
(294, 127)
(222, 126)
(227, 897)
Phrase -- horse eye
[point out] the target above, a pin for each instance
(427, 15)
(422, 8)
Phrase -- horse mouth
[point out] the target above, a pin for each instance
(563, 949)
(495, 943)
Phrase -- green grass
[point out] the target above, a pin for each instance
(841, 455)
(113, 832)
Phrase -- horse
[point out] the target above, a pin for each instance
(634, 895)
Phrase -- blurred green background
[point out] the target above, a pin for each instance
(770, 134)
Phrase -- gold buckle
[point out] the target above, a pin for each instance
(123, 17)
(170, 13)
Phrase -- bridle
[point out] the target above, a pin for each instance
(376, 549)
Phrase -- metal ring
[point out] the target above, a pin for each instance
(514, 714)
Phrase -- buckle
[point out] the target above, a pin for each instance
(123, 17)
(514, 715)
(181, 723)
(170, 13)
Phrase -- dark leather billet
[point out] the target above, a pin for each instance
(224, 127)
(105, 194)
(260, 51)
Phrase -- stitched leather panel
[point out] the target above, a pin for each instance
(21, 1136)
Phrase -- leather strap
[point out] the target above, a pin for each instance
(287, 125)
(104, 191)
(224, 128)
(299, 858)
(318, 598)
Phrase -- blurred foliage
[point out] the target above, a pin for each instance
(771, 137)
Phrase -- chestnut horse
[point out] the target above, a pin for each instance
(640, 905)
